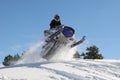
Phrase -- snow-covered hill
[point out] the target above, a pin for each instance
(64, 70)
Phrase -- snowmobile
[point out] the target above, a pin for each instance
(58, 38)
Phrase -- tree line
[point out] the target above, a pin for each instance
(92, 52)
(11, 60)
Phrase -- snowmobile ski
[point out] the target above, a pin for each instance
(79, 42)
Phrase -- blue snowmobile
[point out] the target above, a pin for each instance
(57, 38)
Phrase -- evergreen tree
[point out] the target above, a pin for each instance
(8, 60)
(82, 55)
(16, 57)
(11, 60)
(76, 55)
(92, 53)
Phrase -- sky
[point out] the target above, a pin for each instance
(22, 23)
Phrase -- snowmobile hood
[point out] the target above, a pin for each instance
(68, 31)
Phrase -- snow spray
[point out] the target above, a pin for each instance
(64, 53)
(32, 55)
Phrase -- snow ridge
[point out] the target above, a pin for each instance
(63, 70)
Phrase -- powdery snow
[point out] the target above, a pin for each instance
(1, 65)
(65, 70)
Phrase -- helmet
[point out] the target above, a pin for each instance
(56, 16)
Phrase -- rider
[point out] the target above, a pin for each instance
(55, 22)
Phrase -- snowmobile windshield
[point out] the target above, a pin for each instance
(68, 31)
(58, 27)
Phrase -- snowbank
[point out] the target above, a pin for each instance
(66, 70)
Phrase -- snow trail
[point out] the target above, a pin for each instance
(76, 69)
